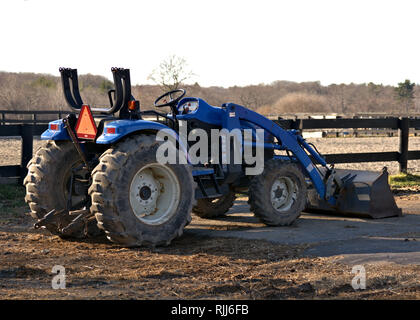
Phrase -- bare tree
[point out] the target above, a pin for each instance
(254, 96)
(171, 73)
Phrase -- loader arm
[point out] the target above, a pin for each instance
(290, 141)
(349, 192)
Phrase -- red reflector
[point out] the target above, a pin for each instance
(110, 130)
(54, 127)
(132, 105)
(85, 127)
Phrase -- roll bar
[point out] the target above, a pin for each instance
(122, 91)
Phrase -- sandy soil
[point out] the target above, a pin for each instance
(367, 144)
(11, 150)
(192, 267)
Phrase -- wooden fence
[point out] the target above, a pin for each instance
(28, 128)
(30, 117)
(403, 126)
(27, 132)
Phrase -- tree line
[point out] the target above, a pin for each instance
(30, 91)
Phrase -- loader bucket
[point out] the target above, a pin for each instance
(364, 193)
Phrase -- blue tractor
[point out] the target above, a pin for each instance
(98, 171)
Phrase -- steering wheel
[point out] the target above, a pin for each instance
(171, 102)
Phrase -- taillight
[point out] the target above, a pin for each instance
(54, 126)
(133, 105)
(110, 130)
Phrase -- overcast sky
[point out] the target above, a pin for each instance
(225, 42)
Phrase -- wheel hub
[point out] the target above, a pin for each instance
(145, 193)
(278, 193)
(154, 194)
(283, 193)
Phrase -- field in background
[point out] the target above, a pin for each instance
(10, 150)
(367, 144)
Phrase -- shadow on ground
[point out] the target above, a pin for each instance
(351, 239)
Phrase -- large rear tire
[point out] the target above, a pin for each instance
(278, 195)
(47, 186)
(212, 208)
(138, 201)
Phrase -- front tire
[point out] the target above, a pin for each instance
(278, 195)
(137, 200)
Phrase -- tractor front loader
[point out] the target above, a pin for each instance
(99, 170)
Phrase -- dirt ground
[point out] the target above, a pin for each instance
(192, 267)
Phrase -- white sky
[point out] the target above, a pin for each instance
(225, 42)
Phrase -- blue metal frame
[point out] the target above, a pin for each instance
(205, 112)
(122, 129)
(125, 127)
(290, 140)
(230, 116)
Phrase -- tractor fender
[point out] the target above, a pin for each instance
(59, 134)
(125, 128)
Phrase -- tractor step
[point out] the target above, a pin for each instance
(214, 196)
(206, 179)
(202, 172)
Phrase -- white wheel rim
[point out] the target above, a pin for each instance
(283, 193)
(154, 194)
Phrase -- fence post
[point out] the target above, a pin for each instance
(298, 125)
(27, 146)
(403, 131)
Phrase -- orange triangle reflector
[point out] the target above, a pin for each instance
(85, 127)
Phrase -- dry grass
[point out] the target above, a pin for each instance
(297, 102)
